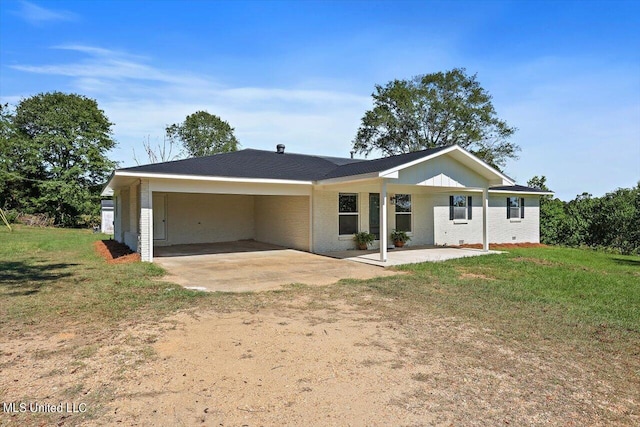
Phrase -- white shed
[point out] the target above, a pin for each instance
(106, 216)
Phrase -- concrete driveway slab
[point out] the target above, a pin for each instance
(247, 266)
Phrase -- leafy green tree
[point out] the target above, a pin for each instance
(435, 110)
(614, 222)
(579, 215)
(552, 213)
(57, 151)
(203, 134)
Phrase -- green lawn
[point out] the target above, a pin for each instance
(50, 274)
(54, 275)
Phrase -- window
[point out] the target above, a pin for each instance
(460, 207)
(403, 212)
(515, 207)
(347, 214)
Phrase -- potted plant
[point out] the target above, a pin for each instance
(399, 238)
(363, 239)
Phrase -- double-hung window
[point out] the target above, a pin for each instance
(460, 207)
(515, 207)
(403, 212)
(347, 213)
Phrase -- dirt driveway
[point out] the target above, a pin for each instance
(253, 266)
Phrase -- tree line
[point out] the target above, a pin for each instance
(54, 155)
(608, 222)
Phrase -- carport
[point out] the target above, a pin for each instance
(152, 212)
(245, 266)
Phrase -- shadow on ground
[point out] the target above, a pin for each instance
(18, 278)
(626, 261)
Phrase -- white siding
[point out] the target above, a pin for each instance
(208, 218)
(440, 172)
(282, 220)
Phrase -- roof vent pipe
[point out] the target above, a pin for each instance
(352, 153)
(280, 148)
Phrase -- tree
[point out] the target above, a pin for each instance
(58, 152)
(614, 221)
(161, 153)
(552, 213)
(435, 110)
(203, 134)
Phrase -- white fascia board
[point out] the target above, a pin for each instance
(394, 175)
(107, 191)
(445, 151)
(348, 178)
(529, 193)
(211, 178)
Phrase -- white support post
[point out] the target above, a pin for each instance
(311, 221)
(383, 221)
(485, 219)
(146, 221)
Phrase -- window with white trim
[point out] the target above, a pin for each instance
(460, 207)
(403, 212)
(347, 214)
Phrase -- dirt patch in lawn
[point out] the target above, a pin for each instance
(115, 252)
(309, 361)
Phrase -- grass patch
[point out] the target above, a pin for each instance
(49, 274)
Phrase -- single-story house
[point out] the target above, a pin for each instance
(106, 216)
(440, 196)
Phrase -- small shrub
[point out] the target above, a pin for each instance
(35, 220)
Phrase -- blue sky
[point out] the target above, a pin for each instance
(566, 74)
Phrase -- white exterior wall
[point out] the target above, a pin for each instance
(501, 229)
(422, 231)
(514, 230)
(326, 222)
(208, 218)
(118, 217)
(457, 232)
(283, 221)
(131, 231)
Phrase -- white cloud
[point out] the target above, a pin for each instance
(38, 15)
(141, 100)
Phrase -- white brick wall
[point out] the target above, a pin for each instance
(448, 232)
(282, 220)
(131, 236)
(208, 218)
(422, 220)
(501, 229)
(515, 230)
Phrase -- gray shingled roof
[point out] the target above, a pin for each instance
(379, 165)
(251, 163)
(518, 188)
